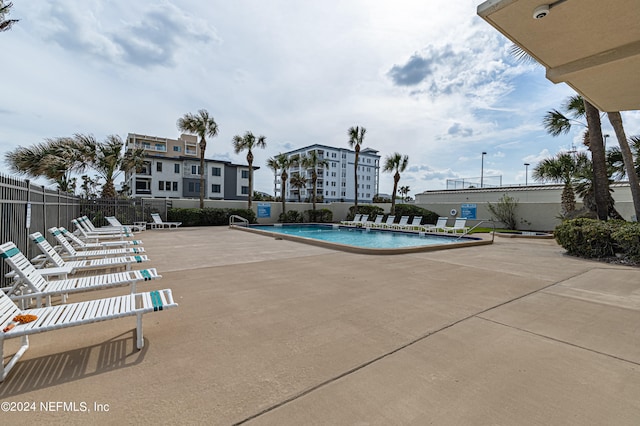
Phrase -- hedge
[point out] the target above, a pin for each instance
(592, 238)
(208, 216)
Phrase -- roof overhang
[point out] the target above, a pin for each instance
(592, 45)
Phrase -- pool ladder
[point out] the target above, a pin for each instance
(234, 219)
(493, 225)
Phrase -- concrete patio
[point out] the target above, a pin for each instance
(273, 332)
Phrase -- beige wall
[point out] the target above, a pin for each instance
(538, 206)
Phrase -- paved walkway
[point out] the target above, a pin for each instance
(273, 332)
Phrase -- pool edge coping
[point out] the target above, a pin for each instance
(363, 250)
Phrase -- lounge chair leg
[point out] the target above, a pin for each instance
(140, 338)
(4, 371)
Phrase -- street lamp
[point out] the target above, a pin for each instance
(482, 170)
(605, 140)
(526, 174)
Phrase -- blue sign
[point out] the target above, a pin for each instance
(468, 211)
(264, 210)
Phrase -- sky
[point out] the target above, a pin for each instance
(427, 79)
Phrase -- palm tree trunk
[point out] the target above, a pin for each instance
(396, 179)
(355, 169)
(250, 162)
(596, 146)
(616, 121)
(203, 146)
(315, 182)
(283, 192)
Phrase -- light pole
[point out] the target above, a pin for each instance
(482, 170)
(605, 140)
(526, 174)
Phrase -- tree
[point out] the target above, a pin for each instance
(395, 163)
(5, 9)
(110, 160)
(356, 139)
(404, 192)
(557, 123)
(314, 162)
(55, 159)
(627, 156)
(203, 126)
(298, 182)
(562, 169)
(272, 163)
(248, 142)
(284, 163)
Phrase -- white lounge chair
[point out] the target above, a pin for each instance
(440, 225)
(50, 256)
(356, 218)
(415, 223)
(56, 317)
(30, 284)
(89, 227)
(114, 222)
(158, 223)
(95, 237)
(376, 222)
(83, 245)
(68, 251)
(389, 222)
(404, 221)
(459, 225)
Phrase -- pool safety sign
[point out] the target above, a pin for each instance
(469, 211)
(264, 210)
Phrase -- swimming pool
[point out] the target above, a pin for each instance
(348, 238)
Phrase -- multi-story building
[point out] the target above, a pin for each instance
(172, 170)
(337, 182)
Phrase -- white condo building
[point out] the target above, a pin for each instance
(172, 170)
(336, 182)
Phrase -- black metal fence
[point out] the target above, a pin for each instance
(26, 208)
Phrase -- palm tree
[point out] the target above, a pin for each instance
(627, 156)
(272, 163)
(557, 123)
(404, 192)
(314, 162)
(615, 160)
(284, 163)
(298, 182)
(110, 161)
(201, 125)
(395, 162)
(562, 168)
(55, 159)
(5, 24)
(356, 139)
(248, 142)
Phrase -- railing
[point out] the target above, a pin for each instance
(234, 219)
(493, 224)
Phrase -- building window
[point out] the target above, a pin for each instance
(167, 186)
(216, 171)
(245, 175)
(175, 186)
(215, 188)
(159, 166)
(195, 170)
(244, 190)
(194, 186)
(176, 168)
(161, 185)
(177, 149)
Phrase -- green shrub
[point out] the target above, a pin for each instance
(319, 216)
(208, 216)
(412, 210)
(292, 216)
(589, 238)
(627, 238)
(372, 211)
(505, 211)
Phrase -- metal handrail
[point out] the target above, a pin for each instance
(493, 224)
(241, 219)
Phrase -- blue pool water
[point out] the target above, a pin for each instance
(358, 237)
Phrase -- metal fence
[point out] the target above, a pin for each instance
(26, 208)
